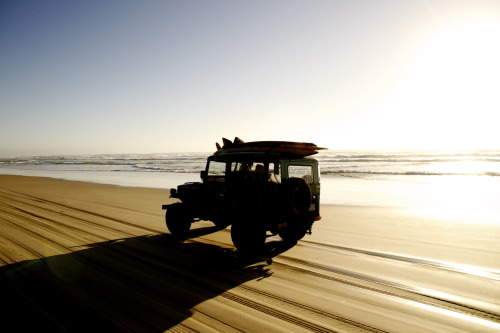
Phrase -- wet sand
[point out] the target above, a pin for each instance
(79, 256)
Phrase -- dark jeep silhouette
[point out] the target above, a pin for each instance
(256, 187)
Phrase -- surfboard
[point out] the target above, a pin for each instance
(286, 147)
(283, 150)
(226, 143)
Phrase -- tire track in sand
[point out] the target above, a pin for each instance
(42, 220)
(136, 275)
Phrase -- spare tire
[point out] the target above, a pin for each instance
(298, 196)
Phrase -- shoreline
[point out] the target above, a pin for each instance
(462, 194)
(335, 189)
(161, 180)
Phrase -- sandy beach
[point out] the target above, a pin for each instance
(79, 256)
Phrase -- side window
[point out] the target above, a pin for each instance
(274, 167)
(301, 171)
(247, 167)
(216, 169)
(274, 172)
(241, 166)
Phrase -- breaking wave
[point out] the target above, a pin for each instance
(482, 163)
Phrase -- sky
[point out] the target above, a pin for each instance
(119, 76)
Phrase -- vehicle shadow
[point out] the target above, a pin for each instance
(147, 283)
(269, 251)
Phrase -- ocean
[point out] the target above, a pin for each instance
(413, 179)
(354, 164)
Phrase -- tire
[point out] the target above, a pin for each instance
(178, 223)
(248, 236)
(297, 201)
(298, 197)
(221, 223)
(294, 230)
(221, 220)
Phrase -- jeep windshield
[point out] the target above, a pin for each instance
(216, 170)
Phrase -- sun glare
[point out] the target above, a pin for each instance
(449, 95)
(471, 200)
(464, 59)
(460, 73)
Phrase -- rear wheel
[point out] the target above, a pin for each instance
(248, 236)
(178, 223)
(222, 222)
(294, 230)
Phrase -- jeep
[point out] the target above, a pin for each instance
(255, 192)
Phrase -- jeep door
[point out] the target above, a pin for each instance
(215, 189)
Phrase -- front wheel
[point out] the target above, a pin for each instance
(178, 223)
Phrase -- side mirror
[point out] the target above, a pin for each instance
(203, 175)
